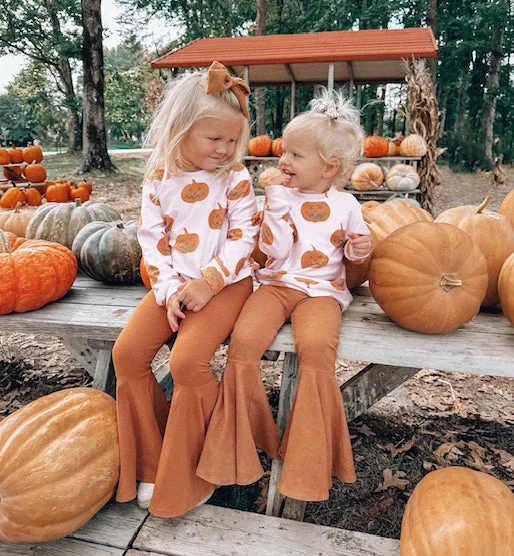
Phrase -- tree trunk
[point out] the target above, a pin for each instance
(432, 22)
(260, 106)
(73, 124)
(461, 99)
(491, 92)
(94, 153)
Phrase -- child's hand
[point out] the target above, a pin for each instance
(360, 245)
(174, 312)
(195, 294)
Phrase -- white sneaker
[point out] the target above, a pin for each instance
(144, 494)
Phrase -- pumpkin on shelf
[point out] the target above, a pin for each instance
(493, 234)
(367, 176)
(109, 251)
(507, 207)
(458, 512)
(388, 217)
(61, 222)
(277, 147)
(413, 145)
(50, 266)
(16, 220)
(269, 177)
(16, 155)
(59, 464)
(506, 288)
(375, 146)
(402, 177)
(35, 173)
(5, 157)
(392, 149)
(259, 146)
(32, 154)
(13, 173)
(14, 195)
(429, 278)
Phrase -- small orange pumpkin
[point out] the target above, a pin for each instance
(12, 197)
(375, 146)
(86, 185)
(5, 157)
(413, 145)
(277, 147)
(216, 217)
(337, 238)
(259, 146)
(32, 154)
(33, 197)
(266, 234)
(186, 242)
(57, 193)
(234, 234)
(76, 192)
(314, 259)
(194, 192)
(315, 212)
(16, 155)
(239, 265)
(242, 189)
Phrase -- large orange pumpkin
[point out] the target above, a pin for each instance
(506, 288)
(507, 207)
(493, 234)
(33, 274)
(428, 278)
(375, 146)
(259, 146)
(458, 512)
(59, 464)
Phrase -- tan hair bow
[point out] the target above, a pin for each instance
(219, 79)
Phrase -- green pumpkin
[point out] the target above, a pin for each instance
(109, 251)
(61, 222)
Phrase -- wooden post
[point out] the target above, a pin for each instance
(289, 70)
(330, 81)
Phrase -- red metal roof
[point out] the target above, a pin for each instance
(328, 46)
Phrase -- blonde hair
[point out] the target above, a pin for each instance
(333, 124)
(185, 101)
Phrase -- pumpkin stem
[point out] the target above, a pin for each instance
(449, 281)
(484, 203)
(18, 206)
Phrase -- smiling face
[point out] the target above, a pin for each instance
(309, 172)
(211, 141)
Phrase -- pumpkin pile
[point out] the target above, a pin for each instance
(369, 175)
(375, 146)
(62, 191)
(59, 464)
(262, 145)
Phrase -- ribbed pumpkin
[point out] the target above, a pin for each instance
(259, 146)
(392, 149)
(35, 173)
(5, 157)
(375, 146)
(277, 147)
(458, 512)
(109, 251)
(16, 220)
(402, 177)
(492, 232)
(15, 195)
(32, 154)
(368, 205)
(269, 177)
(506, 288)
(33, 273)
(428, 277)
(507, 207)
(59, 464)
(61, 222)
(16, 155)
(367, 176)
(388, 217)
(413, 145)
(58, 192)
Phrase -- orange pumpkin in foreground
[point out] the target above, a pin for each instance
(259, 146)
(33, 273)
(458, 512)
(59, 464)
(506, 288)
(375, 146)
(507, 207)
(428, 278)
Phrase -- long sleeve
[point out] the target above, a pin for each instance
(239, 242)
(355, 225)
(153, 236)
(277, 233)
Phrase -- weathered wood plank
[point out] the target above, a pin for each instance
(211, 530)
(82, 351)
(115, 525)
(105, 379)
(63, 547)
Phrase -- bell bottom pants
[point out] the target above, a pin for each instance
(316, 443)
(159, 443)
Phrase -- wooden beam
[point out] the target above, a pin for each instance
(351, 75)
(330, 80)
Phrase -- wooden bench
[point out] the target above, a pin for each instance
(90, 317)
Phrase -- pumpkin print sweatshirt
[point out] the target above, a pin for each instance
(305, 237)
(197, 225)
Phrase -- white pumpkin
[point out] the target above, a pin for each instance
(413, 145)
(367, 176)
(402, 177)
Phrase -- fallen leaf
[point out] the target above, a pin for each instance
(392, 480)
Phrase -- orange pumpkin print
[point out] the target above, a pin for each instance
(257, 218)
(295, 233)
(194, 192)
(339, 284)
(224, 269)
(314, 259)
(275, 274)
(153, 274)
(337, 238)
(155, 200)
(306, 281)
(168, 223)
(240, 264)
(235, 234)
(163, 245)
(144, 274)
(266, 234)
(238, 167)
(315, 212)
(242, 189)
(285, 217)
(186, 242)
(213, 278)
(269, 262)
(216, 217)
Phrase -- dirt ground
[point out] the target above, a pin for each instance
(433, 420)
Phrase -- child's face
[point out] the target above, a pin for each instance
(302, 162)
(211, 141)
